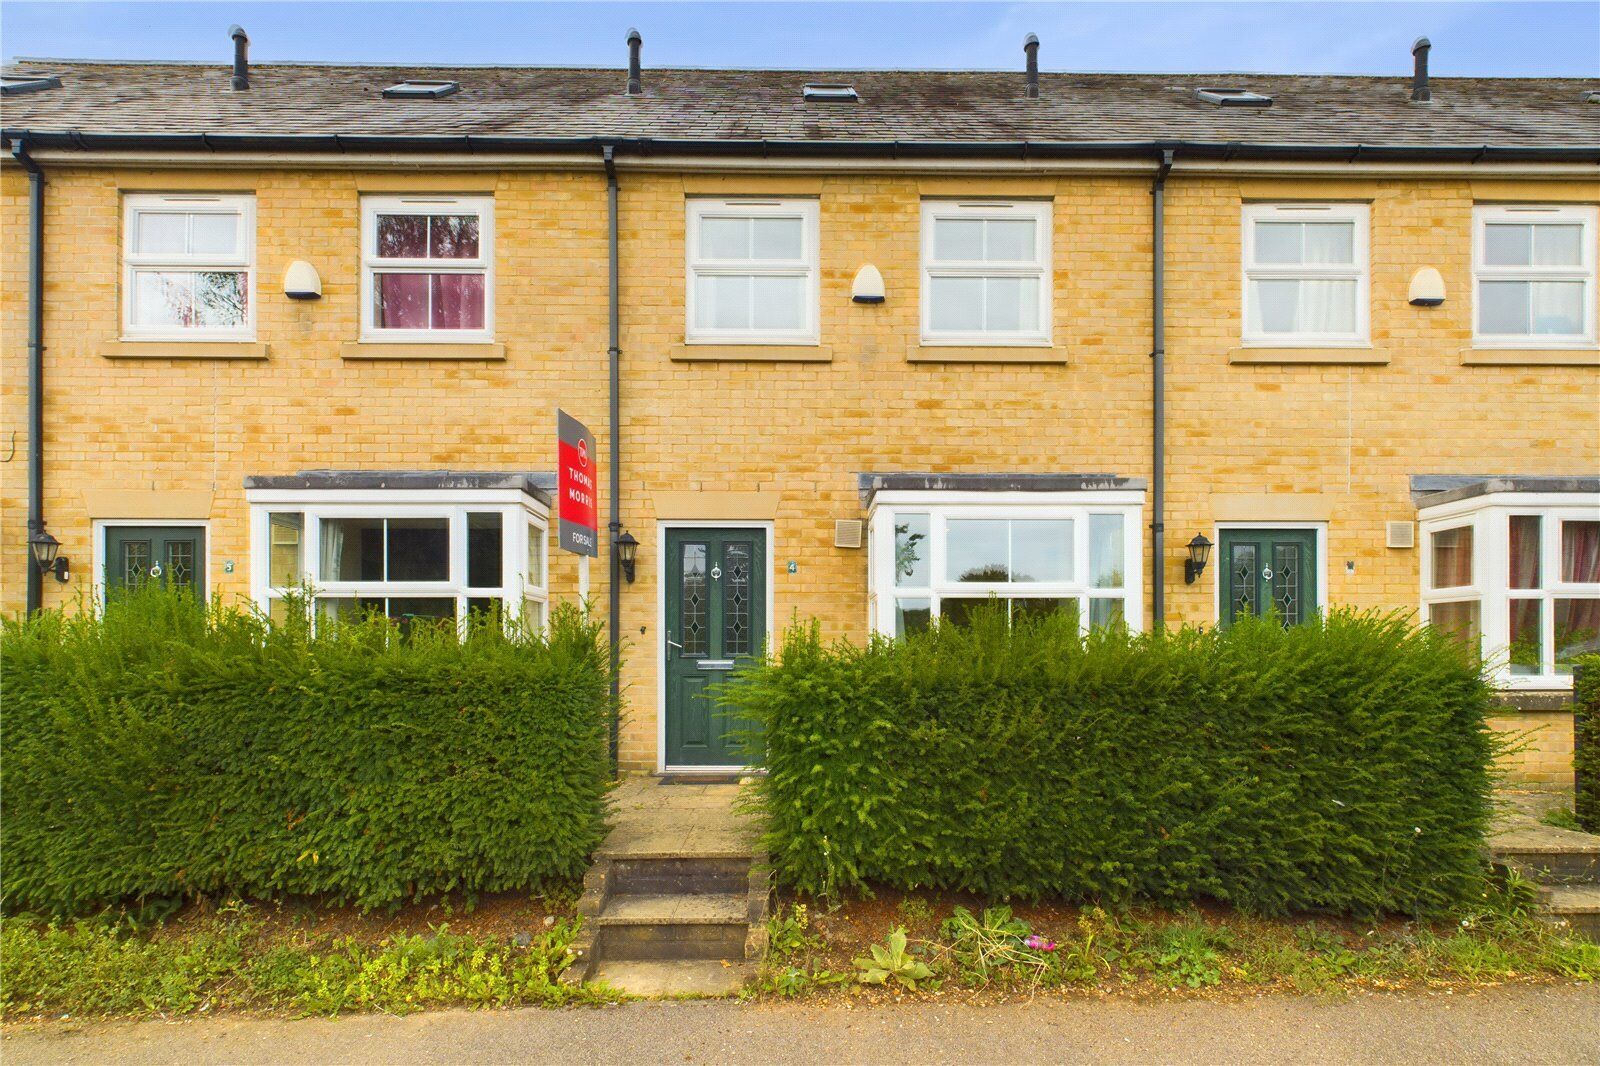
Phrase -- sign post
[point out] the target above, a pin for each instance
(576, 481)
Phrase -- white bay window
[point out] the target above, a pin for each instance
(412, 556)
(942, 555)
(1516, 576)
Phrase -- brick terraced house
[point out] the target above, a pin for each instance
(864, 346)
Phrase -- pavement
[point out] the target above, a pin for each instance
(1543, 1024)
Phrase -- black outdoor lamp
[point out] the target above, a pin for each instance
(46, 553)
(627, 553)
(1195, 565)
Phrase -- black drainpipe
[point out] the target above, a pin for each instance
(19, 151)
(1158, 356)
(613, 435)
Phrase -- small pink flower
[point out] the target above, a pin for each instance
(1040, 943)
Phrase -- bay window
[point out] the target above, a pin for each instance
(986, 273)
(427, 268)
(1305, 274)
(1534, 276)
(400, 555)
(937, 557)
(1517, 578)
(188, 267)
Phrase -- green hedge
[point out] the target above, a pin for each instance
(173, 749)
(1340, 766)
(1586, 728)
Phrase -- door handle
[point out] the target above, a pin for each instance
(674, 644)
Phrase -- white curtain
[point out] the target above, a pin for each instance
(332, 550)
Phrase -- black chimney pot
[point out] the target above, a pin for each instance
(1420, 93)
(635, 81)
(241, 58)
(1030, 45)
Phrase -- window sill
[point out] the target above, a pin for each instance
(1323, 356)
(1530, 357)
(952, 353)
(153, 349)
(369, 350)
(751, 353)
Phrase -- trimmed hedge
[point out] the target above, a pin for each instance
(1342, 765)
(172, 749)
(1586, 730)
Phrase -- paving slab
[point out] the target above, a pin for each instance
(674, 978)
(658, 820)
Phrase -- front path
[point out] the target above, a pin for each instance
(1556, 1024)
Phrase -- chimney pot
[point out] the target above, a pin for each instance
(1030, 46)
(635, 80)
(1420, 93)
(241, 58)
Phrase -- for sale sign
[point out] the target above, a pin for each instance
(576, 484)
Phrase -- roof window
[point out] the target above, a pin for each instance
(830, 91)
(419, 89)
(1593, 96)
(1233, 97)
(17, 84)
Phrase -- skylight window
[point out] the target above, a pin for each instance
(1593, 97)
(417, 89)
(17, 84)
(1233, 97)
(830, 91)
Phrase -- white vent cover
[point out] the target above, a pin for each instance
(847, 533)
(1400, 535)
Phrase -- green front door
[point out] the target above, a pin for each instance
(174, 554)
(1269, 570)
(716, 615)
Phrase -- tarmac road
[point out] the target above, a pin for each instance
(1553, 1023)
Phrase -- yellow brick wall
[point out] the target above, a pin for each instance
(801, 430)
(1541, 747)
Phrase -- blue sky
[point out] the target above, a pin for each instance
(1561, 38)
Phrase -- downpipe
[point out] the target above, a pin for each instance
(613, 435)
(19, 152)
(1158, 385)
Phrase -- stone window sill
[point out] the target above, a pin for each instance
(951, 353)
(752, 353)
(1530, 357)
(362, 350)
(1322, 356)
(183, 350)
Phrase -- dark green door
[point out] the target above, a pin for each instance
(1269, 570)
(175, 554)
(716, 615)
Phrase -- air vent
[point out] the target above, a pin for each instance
(17, 84)
(1233, 98)
(1400, 535)
(847, 533)
(425, 90)
(831, 91)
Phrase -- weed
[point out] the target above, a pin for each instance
(915, 910)
(1561, 818)
(892, 961)
(789, 934)
(1187, 953)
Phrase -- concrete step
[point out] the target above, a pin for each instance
(679, 875)
(659, 978)
(665, 926)
(1571, 863)
(1576, 907)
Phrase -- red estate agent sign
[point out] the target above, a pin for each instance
(575, 486)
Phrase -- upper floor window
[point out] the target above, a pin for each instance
(1534, 276)
(1305, 274)
(753, 274)
(1520, 581)
(189, 267)
(985, 273)
(427, 268)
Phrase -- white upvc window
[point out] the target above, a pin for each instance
(411, 555)
(986, 272)
(1533, 277)
(427, 269)
(940, 555)
(753, 275)
(188, 267)
(1306, 277)
(1517, 576)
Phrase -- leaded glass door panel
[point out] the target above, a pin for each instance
(716, 615)
(1265, 571)
(172, 554)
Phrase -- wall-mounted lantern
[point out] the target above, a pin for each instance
(868, 286)
(1427, 288)
(1195, 565)
(46, 555)
(627, 554)
(301, 281)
